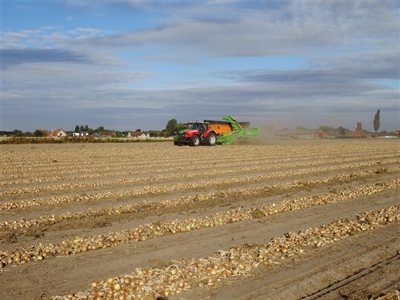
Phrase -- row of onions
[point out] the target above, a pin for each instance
(238, 261)
(161, 228)
(18, 226)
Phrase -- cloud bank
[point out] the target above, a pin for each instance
(139, 64)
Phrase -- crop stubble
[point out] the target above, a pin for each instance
(106, 220)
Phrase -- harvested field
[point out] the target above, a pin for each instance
(284, 220)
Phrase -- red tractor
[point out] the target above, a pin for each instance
(196, 134)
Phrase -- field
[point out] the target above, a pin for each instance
(283, 220)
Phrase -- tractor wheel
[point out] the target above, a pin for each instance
(211, 139)
(194, 141)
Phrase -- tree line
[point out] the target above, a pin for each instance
(170, 129)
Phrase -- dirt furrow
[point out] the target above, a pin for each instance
(100, 264)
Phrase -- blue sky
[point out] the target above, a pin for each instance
(137, 64)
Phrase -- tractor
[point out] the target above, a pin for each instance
(211, 132)
(196, 134)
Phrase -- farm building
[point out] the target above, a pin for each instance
(359, 132)
(6, 133)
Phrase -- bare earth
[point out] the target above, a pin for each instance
(47, 181)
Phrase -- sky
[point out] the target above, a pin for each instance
(128, 65)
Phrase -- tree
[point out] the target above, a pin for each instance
(17, 132)
(377, 120)
(100, 129)
(38, 133)
(325, 128)
(181, 126)
(171, 126)
(77, 128)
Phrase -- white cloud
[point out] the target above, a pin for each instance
(297, 28)
(16, 39)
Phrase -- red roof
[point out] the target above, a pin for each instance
(57, 132)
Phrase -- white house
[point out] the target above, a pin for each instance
(57, 133)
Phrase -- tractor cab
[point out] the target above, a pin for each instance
(200, 126)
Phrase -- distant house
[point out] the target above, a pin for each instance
(108, 134)
(137, 134)
(57, 133)
(320, 134)
(82, 133)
